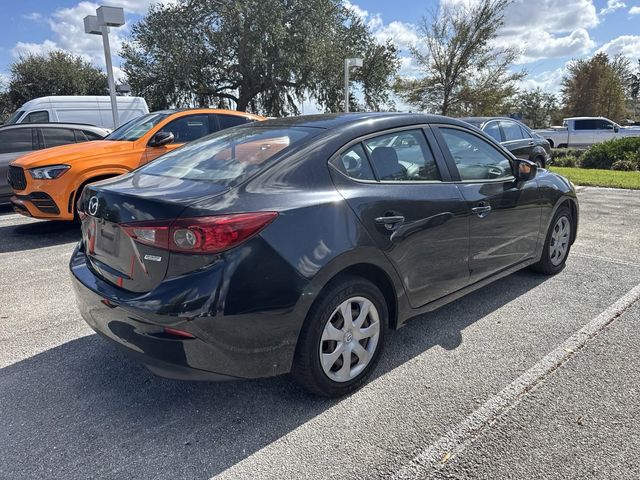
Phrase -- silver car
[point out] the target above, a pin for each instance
(17, 140)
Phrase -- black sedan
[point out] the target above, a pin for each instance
(294, 244)
(515, 137)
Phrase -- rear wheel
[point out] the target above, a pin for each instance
(342, 338)
(557, 244)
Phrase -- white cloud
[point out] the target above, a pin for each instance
(634, 10)
(67, 31)
(35, 16)
(404, 35)
(356, 9)
(549, 81)
(612, 6)
(627, 45)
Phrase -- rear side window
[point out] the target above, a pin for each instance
(16, 140)
(228, 121)
(354, 163)
(525, 133)
(511, 131)
(402, 156)
(474, 157)
(54, 137)
(584, 124)
(92, 135)
(493, 130)
(229, 156)
(189, 128)
(37, 117)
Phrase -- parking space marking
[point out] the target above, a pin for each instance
(462, 435)
(605, 259)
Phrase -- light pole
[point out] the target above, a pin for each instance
(348, 63)
(99, 24)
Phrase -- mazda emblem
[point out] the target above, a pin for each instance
(93, 205)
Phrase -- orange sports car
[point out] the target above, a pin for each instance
(47, 183)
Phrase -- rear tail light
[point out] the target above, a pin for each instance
(199, 234)
(174, 332)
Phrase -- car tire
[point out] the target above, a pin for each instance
(539, 161)
(557, 243)
(326, 340)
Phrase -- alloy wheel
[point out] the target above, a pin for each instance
(349, 339)
(559, 244)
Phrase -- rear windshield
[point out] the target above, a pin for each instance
(228, 156)
(136, 128)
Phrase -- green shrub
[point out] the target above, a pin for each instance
(630, 163)
(604, 155)
(566, 157)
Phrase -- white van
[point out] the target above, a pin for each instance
(91, 110)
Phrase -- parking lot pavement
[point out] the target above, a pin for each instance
(75, 408)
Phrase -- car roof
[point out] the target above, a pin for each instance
(346, 120)
(211, 111)
(85, 126)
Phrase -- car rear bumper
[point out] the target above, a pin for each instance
(224, 347)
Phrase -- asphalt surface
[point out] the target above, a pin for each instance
(73, 407)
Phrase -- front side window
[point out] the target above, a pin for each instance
(188, 128)
(603, 125)
(15, 117)
(54, 137)
(16, 140)
(402, 156)
(511, 131)
(228, 157)
(37, 117)
(475, 158)
(136, 128)
(355, 164)
(493, 130)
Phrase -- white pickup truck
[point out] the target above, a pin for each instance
(580, 132)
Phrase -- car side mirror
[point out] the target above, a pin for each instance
(616, 128)
(524, 170)
(161, 138)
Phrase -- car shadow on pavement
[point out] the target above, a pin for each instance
(83, 409)
(39, 234)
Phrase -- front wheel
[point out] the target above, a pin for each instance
(557, 243)
(342, 338)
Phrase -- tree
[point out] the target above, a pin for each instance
(537, 107)
(596, 87)
(258, 55)
(55, 73)
(634, 92)
(464, 73)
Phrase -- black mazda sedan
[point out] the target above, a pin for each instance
(515, 137)
(295, 244)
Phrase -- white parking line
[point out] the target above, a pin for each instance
(605, 259)
(459, 437)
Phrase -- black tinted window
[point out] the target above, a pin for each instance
(402, 156)
(37, 117)
(54, 137)
(16, 140)
(186, 129)
(604, 125)
(228, 121)
(493, 130)
(511, 131)
(475, 158)
(584, 124)
(92, 135)
(355, 164)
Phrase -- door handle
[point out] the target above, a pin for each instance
(531, 144)
(482, 210)
(389, 222)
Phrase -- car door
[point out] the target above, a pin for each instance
(505, 213)
(14, 142)
(604, 130)
(515, 141)
(185, 129)
(399, 188)
(583, 133)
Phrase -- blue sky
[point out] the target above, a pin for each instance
(549, 32)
